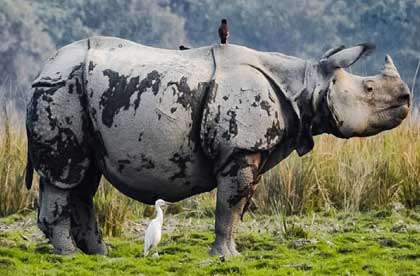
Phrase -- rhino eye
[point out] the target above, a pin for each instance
(369, 86)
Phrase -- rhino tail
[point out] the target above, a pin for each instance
(29, 172)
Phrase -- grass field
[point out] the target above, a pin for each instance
(384, 242)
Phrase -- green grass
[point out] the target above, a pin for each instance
(341, 244)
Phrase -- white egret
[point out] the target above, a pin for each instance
(154, 230)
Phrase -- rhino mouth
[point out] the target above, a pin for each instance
(397, 111)
(388, 118)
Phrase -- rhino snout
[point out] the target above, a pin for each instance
(402, 101)
(404, 97)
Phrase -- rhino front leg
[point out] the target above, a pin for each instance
(84, 227)
(236, 183)
(54, 217)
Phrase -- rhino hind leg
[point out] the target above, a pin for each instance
(54, 217)
(84, 226)
(236, 183)
(58, 143)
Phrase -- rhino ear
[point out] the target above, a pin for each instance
(344, 57)
(332, 51)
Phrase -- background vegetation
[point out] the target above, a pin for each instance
(31, 30)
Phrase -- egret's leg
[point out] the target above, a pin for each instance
(84, 227)
(54, 217)
(235, 184)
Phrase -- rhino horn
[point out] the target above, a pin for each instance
(389, 68)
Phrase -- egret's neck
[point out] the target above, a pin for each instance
(159, 214)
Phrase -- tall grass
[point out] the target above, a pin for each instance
(350, 175)
(13, 196)
(113, 209)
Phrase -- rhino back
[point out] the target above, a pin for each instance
(144, 103)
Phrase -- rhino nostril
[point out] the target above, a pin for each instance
(404, 98)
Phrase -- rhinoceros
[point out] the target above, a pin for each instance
(171, 124)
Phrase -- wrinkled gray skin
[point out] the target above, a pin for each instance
(171, 124)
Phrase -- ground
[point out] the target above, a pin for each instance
(375, 243)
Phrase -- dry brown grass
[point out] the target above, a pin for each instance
(355, 174)
(351, 175)
(13, 195)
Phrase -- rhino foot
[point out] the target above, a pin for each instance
(232, 249)
(222, 249)
(64, 251)
(85, 230)
(92, 246)
(59, 236)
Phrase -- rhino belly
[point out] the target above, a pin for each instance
(144, 119)
(150, 153)
(149, 180)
